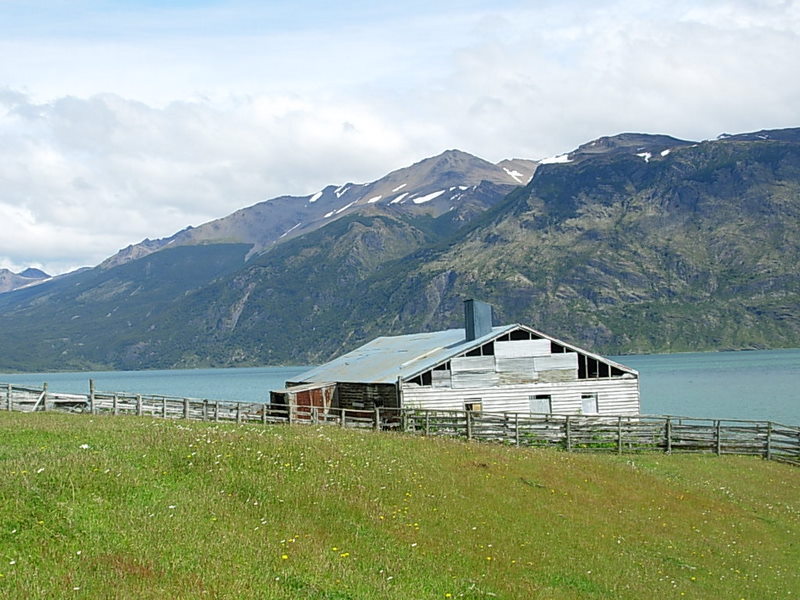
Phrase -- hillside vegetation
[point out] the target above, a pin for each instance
(637, 244)
(125, 507)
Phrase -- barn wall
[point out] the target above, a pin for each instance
(366, 395)
(614, 396)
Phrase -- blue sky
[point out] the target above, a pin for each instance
(154, 118)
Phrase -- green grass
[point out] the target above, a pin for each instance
(174, 509)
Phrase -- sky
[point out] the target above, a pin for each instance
(133, 119)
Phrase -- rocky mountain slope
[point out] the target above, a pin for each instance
(694, 247)
(453, 182)
(95, 317)
(630, 243)
(12, 281)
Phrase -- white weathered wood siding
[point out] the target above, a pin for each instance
(513, 362)
(474, 371)
(619, 396)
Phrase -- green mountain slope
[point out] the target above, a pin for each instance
(97, 317)
(631, 243)
(697, 249)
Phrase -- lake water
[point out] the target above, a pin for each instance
(758, 385)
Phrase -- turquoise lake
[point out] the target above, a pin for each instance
(758, 385)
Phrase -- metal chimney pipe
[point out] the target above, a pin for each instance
(477, 319)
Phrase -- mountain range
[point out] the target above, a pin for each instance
(629, 243)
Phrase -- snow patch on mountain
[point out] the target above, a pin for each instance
(345, 207)
(400, 198)
(428, 197)
(288, 231)
(516, 175)
(315, 197)
(556, 160)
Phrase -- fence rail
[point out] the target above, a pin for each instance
(574, 433)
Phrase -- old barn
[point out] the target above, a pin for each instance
(511, 368)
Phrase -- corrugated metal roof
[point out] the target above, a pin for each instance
(384, 359)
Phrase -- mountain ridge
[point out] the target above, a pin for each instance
(431, 186)
(11, 281)
(694, 248)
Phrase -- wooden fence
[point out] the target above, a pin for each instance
(573, 433)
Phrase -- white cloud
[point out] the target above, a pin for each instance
(84, 177)
(115, 127)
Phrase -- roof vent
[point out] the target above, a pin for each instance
(477, 319)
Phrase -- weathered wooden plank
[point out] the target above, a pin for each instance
(478, 364)
(522, 348)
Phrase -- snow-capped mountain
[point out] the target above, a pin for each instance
(453, 182)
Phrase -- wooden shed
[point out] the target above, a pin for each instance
(511, 368)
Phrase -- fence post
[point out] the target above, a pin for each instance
(342, 419)
(427, 423)
(216, 411)
(8, 397)
(91, 396)
(668, 433)
(619, 435)
(290, 413)
(139, 405)
(114, 405)
(44, 397)
(516, 429)
(238, 412)
(567, 432)
(163, 408)
(185, 408)
(718, 436)
(377, 418)
(469, 424)
(264, 414)
(205, 410)
(769, 440)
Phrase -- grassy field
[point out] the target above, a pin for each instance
(125, 507)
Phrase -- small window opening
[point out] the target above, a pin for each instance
(540, 404)
(593, 368)
(473, 404)
(589, 404)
